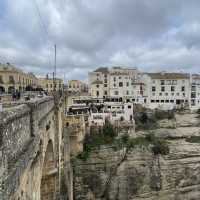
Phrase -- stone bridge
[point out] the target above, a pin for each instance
(32, 152)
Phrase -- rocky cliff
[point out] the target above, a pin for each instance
(110, 174)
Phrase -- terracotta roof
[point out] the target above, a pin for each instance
(164, 75)
(196, 76)
(102, 69)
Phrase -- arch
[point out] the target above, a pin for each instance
(11, 89)
(2, 89)
(48, 181)
(29, 88)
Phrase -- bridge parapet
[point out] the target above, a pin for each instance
(20, 136)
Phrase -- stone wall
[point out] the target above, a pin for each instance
(25, 132)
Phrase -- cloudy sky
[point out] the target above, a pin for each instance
(152, 35)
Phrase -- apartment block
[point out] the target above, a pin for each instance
(164, 90)
(12, 79)
(77, 86)
(167, 89)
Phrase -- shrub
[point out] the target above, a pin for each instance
(96, 138)
(198, 111)
(108, 130)
(160, 147)
(193, 139)
(161, 114)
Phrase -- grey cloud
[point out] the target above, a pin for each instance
(153, 35)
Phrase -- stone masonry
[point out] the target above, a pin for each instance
(30, 150)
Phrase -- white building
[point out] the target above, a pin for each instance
(167, 90)
(195, 91)
(162, 90)
(118, 84)
(112, 111)
(99, 83)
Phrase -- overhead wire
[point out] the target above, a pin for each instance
(45, 31)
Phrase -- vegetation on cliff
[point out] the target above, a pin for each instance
(148, 120)
(108, 136)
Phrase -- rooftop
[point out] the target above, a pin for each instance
(102, 69)
(166, 75)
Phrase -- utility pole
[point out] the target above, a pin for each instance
(54, 73)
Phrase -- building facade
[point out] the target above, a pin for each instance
(13, 79)
(116, 82)
(164, 90)
(99, 83)
(195, 91)
(76, 86)
(48, 84)
(167, 89)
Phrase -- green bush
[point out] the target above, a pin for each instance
(161, 114)
(160, 147)
(96, 138)
(193, 139)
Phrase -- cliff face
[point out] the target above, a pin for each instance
(141, 175)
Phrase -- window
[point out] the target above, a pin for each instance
(166, 94)
(120, 84)
(105, 80)
(97, 86)
(105, 75)
(162, 101)
(157, 101)
(162, 88)
(177, 94)
(114, 78)
(127, 92)
(120, 77)
(116, 92)
(184, 94)
(105, 85)
(1, 79)
(153, 89)
(153, 81)
(166, 101)
(172, 94)
(174, 82)
(11, 80)
(162, 82)
(97, 93)
(160, 94)
(114, 85)
(153, 94)
(105, 93)
(172, 88)
(152, 101)
(193, 95)
(129, 107)
(183, 88)
(193, 88)
(127, 84)
(168, 82)
(171, 101)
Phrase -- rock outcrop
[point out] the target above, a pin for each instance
(139, 174)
